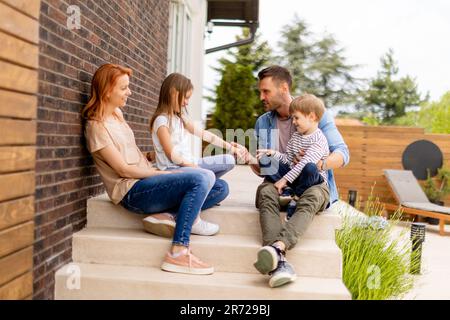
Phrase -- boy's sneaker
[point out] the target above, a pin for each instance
(283, 274)
(291, 209)
(286, 196)
(268, 258)
(186, 263)
(204, 228)
(161, 224)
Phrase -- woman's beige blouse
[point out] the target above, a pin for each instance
(113, 132)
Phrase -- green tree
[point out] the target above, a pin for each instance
(388, 96)
(331, 73)
(318, 66)
(296, 48)
(435, 116)
(236, 98)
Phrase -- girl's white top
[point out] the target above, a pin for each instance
(178, 136)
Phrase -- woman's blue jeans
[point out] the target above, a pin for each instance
(185, 193)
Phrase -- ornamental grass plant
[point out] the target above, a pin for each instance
(376, 257)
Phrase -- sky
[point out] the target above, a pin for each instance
(417, 30)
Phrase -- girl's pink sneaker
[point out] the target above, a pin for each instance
(186, 263)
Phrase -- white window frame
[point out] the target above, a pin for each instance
(180, 30)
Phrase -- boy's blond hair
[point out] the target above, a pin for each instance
(306, 104)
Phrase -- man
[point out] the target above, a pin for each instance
(273, 131)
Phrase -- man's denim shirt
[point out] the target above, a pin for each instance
(268, 139)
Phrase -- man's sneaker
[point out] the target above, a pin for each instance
(286, 196)
(161, 224)
(268, 258)
(283, 274)
(204, 228)
(186, 263)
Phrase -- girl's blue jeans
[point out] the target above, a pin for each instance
(184, 193)
(220, 164)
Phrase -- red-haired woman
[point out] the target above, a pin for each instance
(131, 180)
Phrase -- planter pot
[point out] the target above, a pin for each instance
(434, 221)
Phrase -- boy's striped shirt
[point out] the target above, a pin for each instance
(315, 146)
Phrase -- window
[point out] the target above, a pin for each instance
(180, 25)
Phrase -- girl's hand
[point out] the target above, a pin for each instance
(241, 152)
(280, 185)
(234, 151)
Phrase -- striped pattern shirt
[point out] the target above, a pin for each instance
(315, 146)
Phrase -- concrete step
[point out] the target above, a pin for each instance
(144, 283)
(227, 253)
(233, 219)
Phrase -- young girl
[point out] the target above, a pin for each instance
(170, 128)
(131, 181)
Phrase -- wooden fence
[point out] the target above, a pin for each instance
(19, 37)
(373, 149)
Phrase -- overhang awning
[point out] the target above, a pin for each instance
(243, 10)
(234, 13)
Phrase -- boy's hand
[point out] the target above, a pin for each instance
(280, 185)
(298, 157)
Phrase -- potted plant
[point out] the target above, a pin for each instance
(437, 189)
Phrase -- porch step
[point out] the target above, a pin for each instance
(124, 282)
(233, 218)
(227, 253)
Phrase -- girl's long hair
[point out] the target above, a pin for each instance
(103, 82)
(173, 89)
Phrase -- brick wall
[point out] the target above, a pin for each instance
(129, 32)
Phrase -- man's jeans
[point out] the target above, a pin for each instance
(309, 176)
(185, 193)
(315, 199)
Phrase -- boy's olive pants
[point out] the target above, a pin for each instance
(315, 199)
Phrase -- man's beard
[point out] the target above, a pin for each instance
(272, 106)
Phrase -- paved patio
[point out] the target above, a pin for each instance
(434, 283)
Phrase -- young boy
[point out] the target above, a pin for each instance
(306, 111)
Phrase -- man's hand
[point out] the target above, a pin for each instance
(280, 185)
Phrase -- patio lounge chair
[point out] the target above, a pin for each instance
(412, 200)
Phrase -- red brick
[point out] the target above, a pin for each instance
(117, 32)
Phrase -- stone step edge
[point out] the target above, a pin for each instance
(74, 272)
